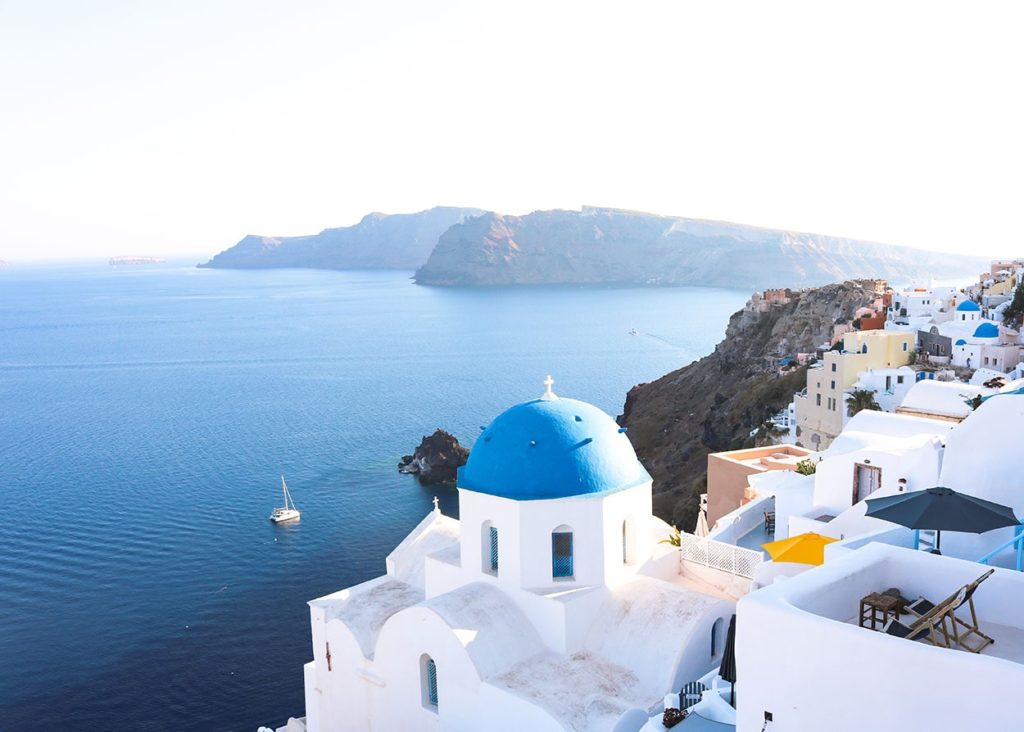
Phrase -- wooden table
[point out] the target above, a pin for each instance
(876, 608)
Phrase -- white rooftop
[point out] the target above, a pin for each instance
(948, 398)
(870, 429)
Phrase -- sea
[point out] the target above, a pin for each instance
(147, 414)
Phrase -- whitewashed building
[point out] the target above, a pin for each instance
(805, 665)
(548, 605)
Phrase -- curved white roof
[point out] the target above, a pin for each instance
(871, 429)
(494, 632)
(365, 608)
(582, 692)
(646, 624)
(947, 398)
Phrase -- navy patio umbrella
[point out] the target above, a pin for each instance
(942, 509)
(728, 668)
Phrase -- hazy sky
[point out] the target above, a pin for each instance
(146, 127)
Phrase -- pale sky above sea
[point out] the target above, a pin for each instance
(178, 127)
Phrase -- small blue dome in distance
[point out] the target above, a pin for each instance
(968, 306)
(551, 448)
(960, 342)
(987, 330)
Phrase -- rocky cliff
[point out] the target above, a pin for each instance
(379, 241)
(599, 246)
(714, 403)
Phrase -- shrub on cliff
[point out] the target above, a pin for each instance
(1014, 313)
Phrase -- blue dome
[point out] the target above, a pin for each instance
(551, 448)
(960, 342)
(986, 330)
(969, 306)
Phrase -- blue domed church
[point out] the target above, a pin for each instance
(552, 603)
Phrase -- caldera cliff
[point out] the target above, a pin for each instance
(610, 246)
(714, 403)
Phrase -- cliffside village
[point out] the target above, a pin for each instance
(926, 350)
(863, 570)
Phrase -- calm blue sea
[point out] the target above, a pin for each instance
(147, 413)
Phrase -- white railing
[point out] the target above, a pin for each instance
(719, 555)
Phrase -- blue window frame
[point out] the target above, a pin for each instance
(494, 549)
(561, 554)
(431, 682)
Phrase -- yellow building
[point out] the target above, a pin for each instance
(1003, 288)
(821, 408)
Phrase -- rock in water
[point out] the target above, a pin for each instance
(436, 460)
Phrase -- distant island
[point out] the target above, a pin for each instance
(449, 246)
(378, 241)
(611, 246)
(118, 261)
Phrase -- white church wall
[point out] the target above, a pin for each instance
(313, 698)
(665, 561)
(443, 573)
(403, 641)
(539, 519)
(340, 686)
(627, 538)
(475, 511)
(579, 610)
(547, 617)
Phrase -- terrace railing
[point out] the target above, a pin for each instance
(719, 555)
(1017, 542)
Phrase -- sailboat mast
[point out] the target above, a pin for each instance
(284, 492)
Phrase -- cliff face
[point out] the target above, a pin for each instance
(597, 246)
(713, 404)
(379, 241)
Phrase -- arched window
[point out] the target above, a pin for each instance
(561, 552)
(629, 540)
(716, 637)
(864, 348)
(489, 548)
(625, 544)
(428, 681)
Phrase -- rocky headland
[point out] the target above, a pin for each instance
(378, 241)
(714, 403)
(611, 246)
(436, 460)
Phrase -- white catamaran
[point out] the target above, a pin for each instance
(287, 512)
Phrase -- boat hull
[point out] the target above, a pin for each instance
(279, 517)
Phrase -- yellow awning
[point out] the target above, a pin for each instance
(806, 548)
